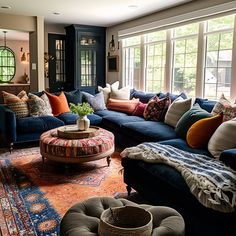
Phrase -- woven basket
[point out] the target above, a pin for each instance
(125, 221)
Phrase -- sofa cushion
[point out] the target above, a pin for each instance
(96, 101)
(182, 144)
(109, 113)
(176, 110)
(107, 90)
(18, 104)
(201, 131)
(225, 106)
(39, 105)
(58, 103)
(126, 106)
(74, 96)
(123, 93)
(224, 138)
(229, 157)
(37, 124)
(172, 96)
(143, 97)
(156, 108)
(139, 110)
(70, 118)
(205, 103)
(149, 131)
(189, 118)
(115, 122)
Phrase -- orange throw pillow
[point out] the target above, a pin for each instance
(201, 131)
(127, 106)
(58, 103)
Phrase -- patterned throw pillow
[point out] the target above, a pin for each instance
(126, 106)
(39, 106)
(18, 104)
(156, 109)
(96, 101)
(225, 106)
(58, 103)
(201, 131)
(176, 110)
(224, 138)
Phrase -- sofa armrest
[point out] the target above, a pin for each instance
(7, 125)
(229, 157)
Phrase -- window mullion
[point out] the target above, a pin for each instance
(143, 60)
(200, 61)
(168, 66)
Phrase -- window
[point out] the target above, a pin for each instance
(218, 57)
(185, 41)
(131, 61)
(155, 61)
(194, 58)
(7, 64)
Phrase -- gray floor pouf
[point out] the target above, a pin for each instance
(83, 218)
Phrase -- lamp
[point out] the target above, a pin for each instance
(112, 44)
(23, 57)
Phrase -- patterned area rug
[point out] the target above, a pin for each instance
(35, 196)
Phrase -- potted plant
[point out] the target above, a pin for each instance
(82, 110)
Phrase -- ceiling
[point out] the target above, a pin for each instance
(91, 12)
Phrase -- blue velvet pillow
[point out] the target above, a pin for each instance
(189, 118)
(74, 96)
(96, 102)
(143, 97)
(205, 104)
(172, 96)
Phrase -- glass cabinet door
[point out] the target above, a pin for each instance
(56, 61)
(88, 67)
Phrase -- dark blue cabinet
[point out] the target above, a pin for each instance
(85, 56)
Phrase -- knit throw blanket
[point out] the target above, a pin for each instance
(209, 180)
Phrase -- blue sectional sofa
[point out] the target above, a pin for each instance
(159, 183)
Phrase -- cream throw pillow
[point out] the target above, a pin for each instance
(123, 93)
(224, 138)
(106, 90)
(176, 110)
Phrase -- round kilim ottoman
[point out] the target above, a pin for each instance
(64, 150)
(83, 218)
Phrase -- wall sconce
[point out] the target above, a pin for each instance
(23, 56)
(112, 44)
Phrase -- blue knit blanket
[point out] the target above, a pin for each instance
(210, 180)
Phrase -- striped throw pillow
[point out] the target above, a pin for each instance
(18, 104)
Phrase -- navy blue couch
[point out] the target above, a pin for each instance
(158, 183)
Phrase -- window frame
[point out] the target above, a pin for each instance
(2, 48)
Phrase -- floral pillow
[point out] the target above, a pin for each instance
(156, 108)
(39, 106)
(226, 107)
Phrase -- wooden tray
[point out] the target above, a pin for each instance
(72, 132)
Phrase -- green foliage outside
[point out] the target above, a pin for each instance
(81, 109)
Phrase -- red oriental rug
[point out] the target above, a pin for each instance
(35, 196)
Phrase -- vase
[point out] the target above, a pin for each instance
(83, 123)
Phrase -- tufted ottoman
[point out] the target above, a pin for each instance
(83, 218)
(59, 149)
